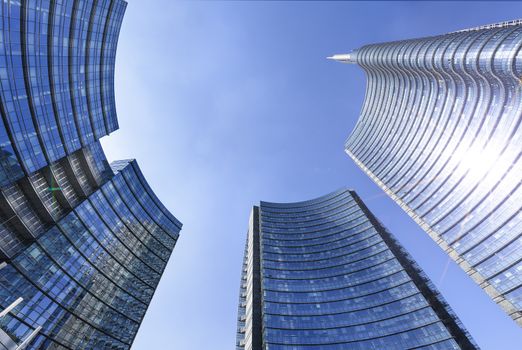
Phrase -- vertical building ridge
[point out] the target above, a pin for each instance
(83, 244)
(440, 133)
(55, 103)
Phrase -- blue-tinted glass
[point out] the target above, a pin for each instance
(332, 278)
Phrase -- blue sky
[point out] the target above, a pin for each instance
(225, 104)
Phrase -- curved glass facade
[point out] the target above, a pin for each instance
(56, 80)
(83, 244)
(331, 277)
(440, 132)
(87, 281)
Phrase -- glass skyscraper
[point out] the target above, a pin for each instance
(83, 244)
(440, 132)
(325, 274)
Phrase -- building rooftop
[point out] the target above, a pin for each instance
(514, 22)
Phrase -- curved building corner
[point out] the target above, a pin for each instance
(440, 133)
(325, 274)
(83, 244)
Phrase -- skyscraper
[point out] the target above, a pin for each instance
(440, 133)
(82, 244)
(325, 274)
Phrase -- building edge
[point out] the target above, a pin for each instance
(474, 274)
(432, 295)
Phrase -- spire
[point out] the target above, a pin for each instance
(344, 58)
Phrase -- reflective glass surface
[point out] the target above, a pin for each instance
(56, 79)
(440, 133)
(334, 278)
(87, 281)
(83, 245)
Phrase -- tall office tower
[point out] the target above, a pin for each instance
(82, 244)
(325, 274)
(440, 132)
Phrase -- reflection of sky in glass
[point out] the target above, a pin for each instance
(455, 167)
(95, 271)
(333, 279)
(56, 81)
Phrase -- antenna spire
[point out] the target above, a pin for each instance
(343, 58)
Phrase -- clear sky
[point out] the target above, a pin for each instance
(225, 104)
